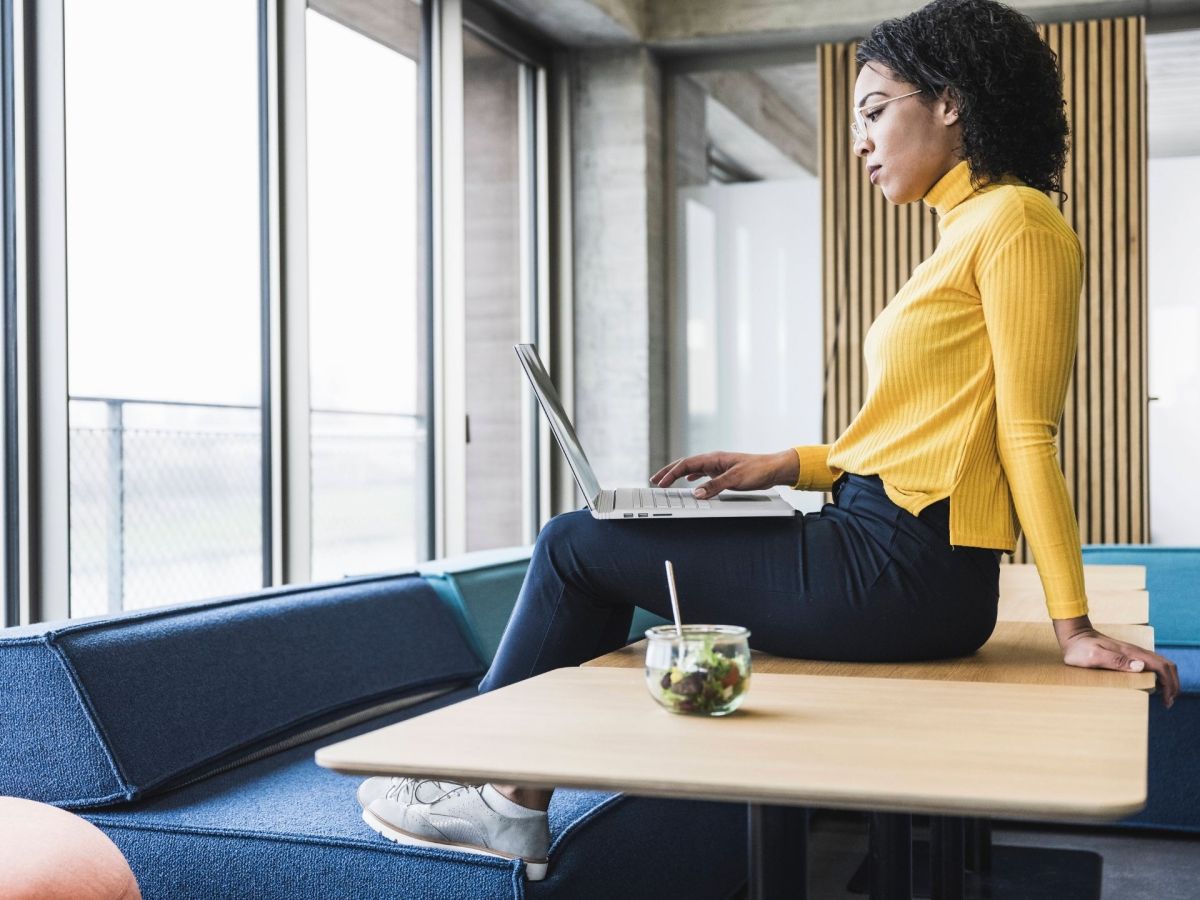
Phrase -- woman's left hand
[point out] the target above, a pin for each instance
(1084, 646)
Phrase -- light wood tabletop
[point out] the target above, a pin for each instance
(1105, 607)
(1017, 653)
(884, 744)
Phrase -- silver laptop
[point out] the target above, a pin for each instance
(638, 502)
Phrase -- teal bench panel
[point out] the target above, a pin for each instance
(482, 588)
(1173, 581)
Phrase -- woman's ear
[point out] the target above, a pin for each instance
(948, 108)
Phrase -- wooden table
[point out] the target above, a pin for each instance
(1017, 653)
(1116, 594)
(1024, 751)
(1105, 607)
(1096, 577)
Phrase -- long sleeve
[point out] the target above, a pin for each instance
(1030, 296)
(815, 471)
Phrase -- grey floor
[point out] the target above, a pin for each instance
(1137, 865)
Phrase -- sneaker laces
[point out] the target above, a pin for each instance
(450, 793)
(404, 790)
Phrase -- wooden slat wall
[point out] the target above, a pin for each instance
(871, 247)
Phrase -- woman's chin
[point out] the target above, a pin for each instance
(896, 197)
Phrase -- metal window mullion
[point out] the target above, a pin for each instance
(527, 292)
(43, 478)
(287, 333)
(543, 308)
(11, 614)
(449, 310)
(266, 39)
(560, 223)
(426, 489)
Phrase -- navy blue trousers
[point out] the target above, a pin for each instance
(860, 581)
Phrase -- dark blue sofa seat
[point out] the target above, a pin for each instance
(282, 827)
(187, 734)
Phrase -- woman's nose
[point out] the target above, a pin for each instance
(861, 146)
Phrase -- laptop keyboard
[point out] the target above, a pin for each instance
(660, 498)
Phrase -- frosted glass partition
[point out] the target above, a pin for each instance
(750, 279)
(1174, 342)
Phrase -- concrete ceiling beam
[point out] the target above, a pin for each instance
(760, 108)
(748, 24)
(583, 23)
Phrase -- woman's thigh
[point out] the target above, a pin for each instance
(855, 581)
(734, 571)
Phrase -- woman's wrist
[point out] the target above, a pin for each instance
(787, 467)
(1067, 630)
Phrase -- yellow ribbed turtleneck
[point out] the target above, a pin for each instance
(967, 372)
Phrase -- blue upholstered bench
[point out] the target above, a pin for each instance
(187, 734)
(1173, 581)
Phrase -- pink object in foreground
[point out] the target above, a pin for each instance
(50, 854)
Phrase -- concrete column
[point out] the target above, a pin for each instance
(691, 133)
(620, 322)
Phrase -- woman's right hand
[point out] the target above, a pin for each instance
(732, 471)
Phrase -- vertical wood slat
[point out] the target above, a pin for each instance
(1141, 491)
(829, 283)
(871, 249)
(1120, 275)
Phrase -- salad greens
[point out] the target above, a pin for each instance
(708, 685)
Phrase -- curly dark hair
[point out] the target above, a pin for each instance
(1004, 78)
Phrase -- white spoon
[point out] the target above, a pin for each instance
(674, 600)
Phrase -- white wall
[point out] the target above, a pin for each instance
(1174, 345)
(750, 276)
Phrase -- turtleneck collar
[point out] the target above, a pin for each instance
(955, 186)
(951, 189)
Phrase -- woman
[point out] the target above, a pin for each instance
(959, 106)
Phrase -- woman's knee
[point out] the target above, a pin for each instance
(565, 528)
(562, 537)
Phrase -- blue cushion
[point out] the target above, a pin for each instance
(112, 708)
(1173, 580)
(1173, 783)
(482, 588)
(282, 827)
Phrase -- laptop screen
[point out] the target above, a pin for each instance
(564, 431)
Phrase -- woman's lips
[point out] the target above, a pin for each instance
(873, 170)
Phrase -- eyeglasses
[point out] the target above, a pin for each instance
(858, 127)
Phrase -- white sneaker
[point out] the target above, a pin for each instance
(475, 818)
(405, 790)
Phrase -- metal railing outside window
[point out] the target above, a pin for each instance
(166, 502)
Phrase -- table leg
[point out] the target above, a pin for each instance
(890, 856)
(946, 881)
(979, 846)
(777, 852)
(991, 873)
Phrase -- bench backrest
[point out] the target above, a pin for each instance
(106, 710)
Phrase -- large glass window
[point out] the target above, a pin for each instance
(367, 317)
(164, 299)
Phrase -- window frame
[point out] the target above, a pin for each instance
(36, 543)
